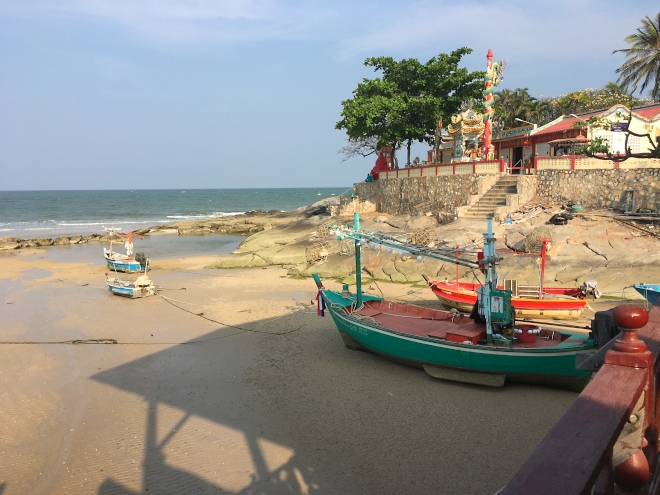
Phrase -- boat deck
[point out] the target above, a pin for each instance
(443, 325)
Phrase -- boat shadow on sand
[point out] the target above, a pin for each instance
(342, 421)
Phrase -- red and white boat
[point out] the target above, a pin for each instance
(528, 301)
(560, 303)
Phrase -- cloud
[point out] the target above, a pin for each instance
(548, 31)
(551, 31)
(186, 21)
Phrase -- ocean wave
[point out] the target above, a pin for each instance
(201, 216)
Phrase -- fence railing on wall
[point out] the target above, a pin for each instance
(574, 162)
(460, 168)
(569, 162)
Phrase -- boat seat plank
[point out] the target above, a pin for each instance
(413, 326)
(438, 334)
(468, 331)
(369, 312)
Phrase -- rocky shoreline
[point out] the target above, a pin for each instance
(244, 224)
(587, 247)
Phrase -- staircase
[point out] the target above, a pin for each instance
(496, 196)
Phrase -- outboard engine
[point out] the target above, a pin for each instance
(141, 258)
(589, 288)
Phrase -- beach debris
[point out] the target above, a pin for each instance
(347, 247)
(317, 252)
(533, 242)
(560, 218)
(523, 214)
(324, 228)
(423, 237)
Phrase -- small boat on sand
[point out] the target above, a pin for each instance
(126, 263)
(487, 347)
(651, 292)
(140, 287)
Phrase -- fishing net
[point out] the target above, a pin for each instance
(317, 252)
(347, 247)
(424, 237)
(324, 228)
(533, 242)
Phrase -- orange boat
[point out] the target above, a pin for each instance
(562, 303)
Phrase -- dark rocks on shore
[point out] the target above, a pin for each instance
(246, 224)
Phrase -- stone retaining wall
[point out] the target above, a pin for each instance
(402, 196)
(599, 188)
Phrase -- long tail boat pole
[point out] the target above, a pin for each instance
(488, 263)
(358, 268)
(374, 238)
(544, 248)
(490, 281)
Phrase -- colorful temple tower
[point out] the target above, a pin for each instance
(492, 79)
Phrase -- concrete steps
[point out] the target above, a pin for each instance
(494, 197)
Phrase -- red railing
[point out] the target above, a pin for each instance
(609, 437)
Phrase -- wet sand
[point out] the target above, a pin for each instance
(233, 385)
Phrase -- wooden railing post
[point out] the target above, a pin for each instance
(631, 467)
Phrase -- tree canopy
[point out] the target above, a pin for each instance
(518, 103)
(642, 65)
(406, 103)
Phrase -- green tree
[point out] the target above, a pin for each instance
(642, 63)
(511, 104)
(406, 103)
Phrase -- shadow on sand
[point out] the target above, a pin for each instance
(175, 377)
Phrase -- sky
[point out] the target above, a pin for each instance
(124, 94)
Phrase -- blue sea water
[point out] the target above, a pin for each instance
(28, 214)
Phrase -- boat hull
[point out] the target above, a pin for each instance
(559, 309)
(131, 266)
(651, 292)
(131, 292)
(548, 366)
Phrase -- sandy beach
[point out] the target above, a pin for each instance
(232, 385)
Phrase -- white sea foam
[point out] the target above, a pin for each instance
(215, 214)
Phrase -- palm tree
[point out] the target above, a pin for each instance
(642, 63)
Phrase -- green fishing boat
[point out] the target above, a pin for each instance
(487, 347)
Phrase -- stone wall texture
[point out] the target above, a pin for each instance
(402, 196)
(599, 188)
(596, 188)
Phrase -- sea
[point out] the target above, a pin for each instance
(29, 214)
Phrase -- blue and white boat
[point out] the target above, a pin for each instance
(141, 287)
(650, 291)
(126, 263)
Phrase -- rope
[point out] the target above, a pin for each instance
(242, 329)
(201, 315)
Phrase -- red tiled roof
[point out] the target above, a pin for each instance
(563, 125)
(648, 112)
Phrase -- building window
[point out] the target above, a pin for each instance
(543, 149)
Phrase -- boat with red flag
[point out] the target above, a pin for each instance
(529, 301)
